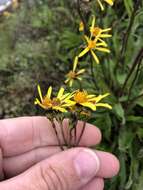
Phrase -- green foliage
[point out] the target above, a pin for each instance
(38, 44)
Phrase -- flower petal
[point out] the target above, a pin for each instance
(40, 93)
(95, 57)
(110, 2)
(75, 63)
(101, 6)
(60, 93)
(92, 25)
(84, 52)
(80, 71)
(89, 105)
(49, 92)
(59, 109)
(71, 82)
(103, 49)
(104, 105)
(100, 97)
(37, 102)
(105, 35)
(106, 29)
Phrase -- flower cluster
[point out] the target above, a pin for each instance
(64, 102)
(95, 41)
(77, 103)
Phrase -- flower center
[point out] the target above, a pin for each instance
(72, 75)
(47, 102)
(91, 44)
(96, 31)
(56, 102)
(80, 97)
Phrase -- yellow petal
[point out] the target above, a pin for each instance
(79, 78)
(92, 26)
(75, 63)
(49, 92)
(37, 102)
(81, 26)
(84, 52)
(59, 109)
(66, 96)
(60, 93)
(80, 71)
(87, 38)
(104, 105)
(40, 93)
(102, 43)
(103, 49)
(67, 80)
(101, 6)
(69, 103)
(105, 36)
(89, 105)
(110, 2)
(71, 83)
(95, 57)
(100, 97)
(106, 29)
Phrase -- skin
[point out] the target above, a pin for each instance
(27, 142)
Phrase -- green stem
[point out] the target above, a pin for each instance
(82, 17)
(121, 58)
(134, 80)
(137, 61)
(81, 134)
(93, 75)
(59, 142)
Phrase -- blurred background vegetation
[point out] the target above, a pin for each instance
(37, 44)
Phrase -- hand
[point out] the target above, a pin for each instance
(30, 158)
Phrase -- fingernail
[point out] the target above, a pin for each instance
(87, 164)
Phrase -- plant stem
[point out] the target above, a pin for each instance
(136, 75)
(137, 61)
(63, 134)
(121, 58)
(54, 127)
(81, 134)
(82, 17)
(93, 75)
(136, 98)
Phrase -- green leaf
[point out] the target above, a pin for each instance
(136, 119)
(129, 6)
(125, 139)
(119, 111)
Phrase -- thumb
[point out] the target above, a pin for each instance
(68, 170)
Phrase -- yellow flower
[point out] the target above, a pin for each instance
(15, 4)
(6, 14)
(73, 74)
(89, 100)
(93, 44)
(81, 26)
(59, 103)
(110, 2)
(99, 32)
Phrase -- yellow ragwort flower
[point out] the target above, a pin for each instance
(6, 14)
(100, 2)
(15, 4)
(98, 32)
(59, 103)
(73, 74)
(89, 100)
(81, 26)
(92, 45)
